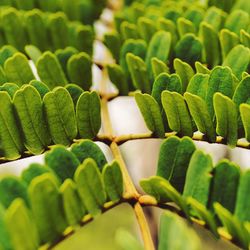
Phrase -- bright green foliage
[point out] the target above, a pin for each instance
(201, 68)
(33, 52)
(88, 115)
(5, 52)
(245, 38)
(11, 142)
(88, 149)
(17, 69)
(233, 225)
(21, 227)
(146, 27)
(36, 29)
(60, 114)
(151, 113)
(138, 71)
(226, 117)
(10, 88)
(10, 189)
(185, 26)
(113, 181)
(118, 78)
(113, 43)
(228, 41)
(238, 60)
(75, 92)
(184, 71)
(47, 208)
(90, 186)
(245, 115)
(189, 49)
(171, 226)
(79, 70)
(4, 239)
(62, 162)
(33, 171)
(177, 113)
(199, 177)
(129, 31)
(163, 191)
(229, 173)
(40, 87)
(201, 116)
(174, 158)
(242, 204)
(204, 215)
(158, 67)
(29, 108)
(220, 80)
(50, 70)
(73, 209)
(165, 82)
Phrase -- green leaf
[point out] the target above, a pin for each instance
(36, 29)
(195, 15)
(50, 70)
(90, 186)
(177, 113)
(11, 142)
(113, 42)
(220, 80)
(11, 188)
(211, 44)
(228, 173)
(165, 82)
(204, 214)
(201, 68)
(215, 17)
(138, 71)
(172, 225)
(63, 162)
(174, 158)
(63, 55)
(79, 68)
(47, 208)
(75, 92)
(13, 31)
(33, 52)
(159, 67)
(237, 20)
(88, 115)
(136, 47)
(151, 113)
(198, 85)
(10, 88)
(118, 78)
(129, 31)
(21, 226)
(228, 41)
(189, 49)
(238, 60)
(33, 171)
(73, 209)
(164, 192)
(5, 243)
(113, 181)
(60, 114)
(84, 39)
(199, 177)
(184, 71)
(185, 26)
(3, 78)
(245, 38)
(40, 87)
(24, 4)
(17, 69)
(226, 117)
(57, 28)
(48, 5)
(201, 116)
(233, 225)
(242, 203)
(146, 28)
(5, 52)
(159, 47)
(29, 108)
(88, 149)
(245, 115)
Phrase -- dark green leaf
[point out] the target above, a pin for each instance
(75, 91)
(113, 42)
(40, 87)
(6, 52)
(146, 28)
